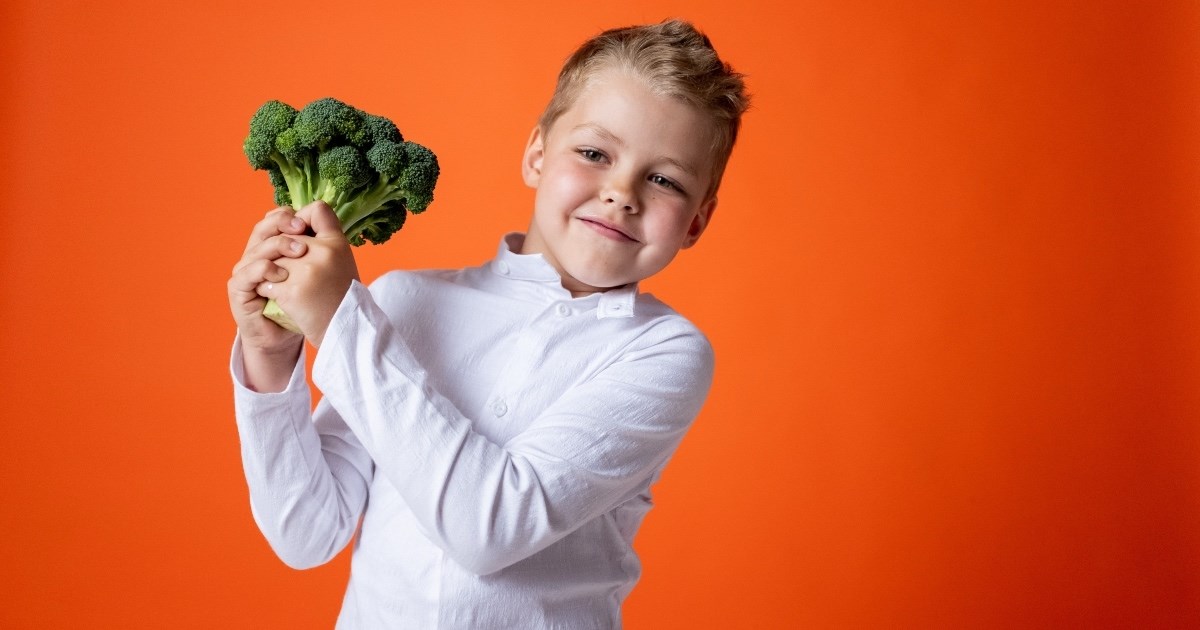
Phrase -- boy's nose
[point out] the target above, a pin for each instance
(618, 193)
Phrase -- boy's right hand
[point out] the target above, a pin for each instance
(269, 352)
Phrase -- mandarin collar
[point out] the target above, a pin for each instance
(618, 302)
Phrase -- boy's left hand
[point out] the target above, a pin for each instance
(318, 280)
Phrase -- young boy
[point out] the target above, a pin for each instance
(497, 428)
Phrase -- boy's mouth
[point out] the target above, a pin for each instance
(608, 229)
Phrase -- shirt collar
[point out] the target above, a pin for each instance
(510, 264)
(618, 302)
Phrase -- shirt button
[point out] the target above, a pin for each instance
(616, 308)
(502, 267)
(499, 408)
(564, 310)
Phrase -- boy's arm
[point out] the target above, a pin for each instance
(307, 474)
(308, 483)
(489, 505)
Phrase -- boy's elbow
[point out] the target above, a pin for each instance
(300, 556)
(300, 546)
(298, 562)
(301, 563)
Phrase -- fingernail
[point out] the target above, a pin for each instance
(297, 224)
(295, 246)
(270, 287)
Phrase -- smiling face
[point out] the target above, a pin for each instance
(622, 180)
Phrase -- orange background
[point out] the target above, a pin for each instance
(953, 288)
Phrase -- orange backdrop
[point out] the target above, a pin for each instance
(953, 288)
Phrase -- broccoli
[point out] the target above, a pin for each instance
(356, 162)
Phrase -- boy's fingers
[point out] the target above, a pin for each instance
(278, 246)
(278, 221)
(275, 273)
(321, 217)
(250, 276)
(265, 289)
(281, 246)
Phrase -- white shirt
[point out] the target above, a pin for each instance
(497, 437)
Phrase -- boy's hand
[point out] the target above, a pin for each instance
(316, 282)
(269, 352)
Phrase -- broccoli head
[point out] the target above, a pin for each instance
(272, 119)
(356, 162)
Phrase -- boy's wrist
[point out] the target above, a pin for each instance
(269, 370)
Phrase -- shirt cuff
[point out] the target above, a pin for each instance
(255, 411)
(237, 369)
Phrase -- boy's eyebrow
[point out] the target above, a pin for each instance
(611, 137)
(600, 131)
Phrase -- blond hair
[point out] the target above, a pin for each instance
(675, 59)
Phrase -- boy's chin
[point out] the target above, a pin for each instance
(595, 273)
(593, 282)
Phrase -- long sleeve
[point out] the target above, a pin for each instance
(307, 479)
(488, 504)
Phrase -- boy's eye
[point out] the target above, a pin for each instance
(590, 155)
(664, 182)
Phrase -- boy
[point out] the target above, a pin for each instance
(497, 428)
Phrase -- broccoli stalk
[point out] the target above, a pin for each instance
(356, 162)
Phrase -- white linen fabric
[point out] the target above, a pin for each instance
(496, 438)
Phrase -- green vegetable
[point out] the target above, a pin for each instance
(356, 162)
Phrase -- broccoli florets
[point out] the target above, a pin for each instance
(356, 162)
(375, 128)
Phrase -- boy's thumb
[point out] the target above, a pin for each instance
(322, 220)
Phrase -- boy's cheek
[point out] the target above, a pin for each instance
(567, 181)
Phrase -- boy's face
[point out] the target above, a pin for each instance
(622, 182)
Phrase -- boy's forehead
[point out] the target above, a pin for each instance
(627, 83)
(622, 108)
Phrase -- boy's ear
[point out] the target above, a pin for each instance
(531, 164)
(700, 222)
